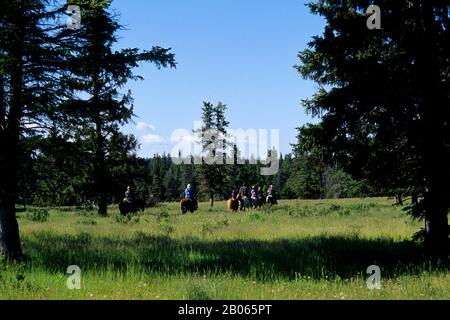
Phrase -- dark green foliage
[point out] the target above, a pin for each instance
(383, 101)
(98, 71)
(38, 215)
(213, 135)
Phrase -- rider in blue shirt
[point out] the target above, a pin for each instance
(188, 192)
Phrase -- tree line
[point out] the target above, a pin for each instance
(159, 179)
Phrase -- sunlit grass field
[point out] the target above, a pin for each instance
(298, 250)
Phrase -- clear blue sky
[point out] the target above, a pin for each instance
(240, 52)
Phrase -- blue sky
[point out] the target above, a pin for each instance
(240, 52)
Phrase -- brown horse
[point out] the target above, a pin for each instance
(126, 207)
(233, 205)
(188, 205)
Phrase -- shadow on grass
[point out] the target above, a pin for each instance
(314, 257)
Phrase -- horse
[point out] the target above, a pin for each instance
(244, 203)
(233, 205)
(261, 202)
(255, 203)
(271, 200)
(126, 207)
(187, 204)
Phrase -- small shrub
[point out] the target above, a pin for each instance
(166, 229)
(223, 222)
(335, 207)
(197, 292)
(344, 212)
(128, 219)
(255, 216)
(163, 215)
(301, 212)
(267, 209)
(206, 229)
(363, 206)
(87, 222)
(85, 206)
(83, 238)
(38, 215)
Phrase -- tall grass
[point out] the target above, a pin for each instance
(298, 250)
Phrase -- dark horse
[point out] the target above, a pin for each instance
(233, 205)
(127, 207)
(188, 205)
(272, 201)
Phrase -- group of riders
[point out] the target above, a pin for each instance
(254, 198)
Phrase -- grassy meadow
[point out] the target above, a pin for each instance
(298, 250)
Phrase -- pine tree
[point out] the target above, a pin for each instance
(213, 136)
(99, 71)
(29, 59)
(383, 100)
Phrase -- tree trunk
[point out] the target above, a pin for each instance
(2, 104)
(414, 198)
(437, 240)
(399, 199)
(211, 199)
(10, 245)
(434, 150)
(9, 234)
(100, 163)
(102, 206)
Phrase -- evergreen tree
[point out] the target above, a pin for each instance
(213, 137)
(29, 88)
(383, 99)
(100, 72)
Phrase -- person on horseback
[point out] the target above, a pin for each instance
(254, 197)
(129, 195)
(271, 195)
(243, 196)
(189, 194)
(234, 195)
(259, 193)
(243, 191)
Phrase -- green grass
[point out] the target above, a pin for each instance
(299, 250)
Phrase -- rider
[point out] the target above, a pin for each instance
(270, 194)
(233, 195)
(254, 196)
(129, 195)
(243, 191)
(259, 193)
(189, 194)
